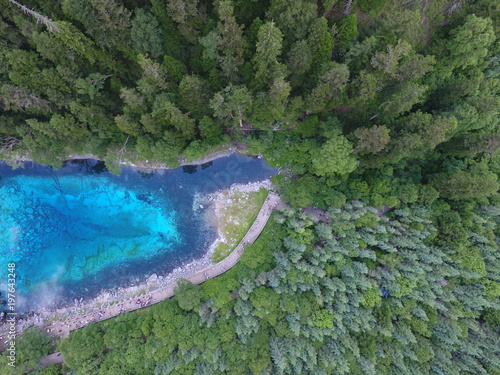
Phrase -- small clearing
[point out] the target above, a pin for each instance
(235, 214)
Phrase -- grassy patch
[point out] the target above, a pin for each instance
(237, 216)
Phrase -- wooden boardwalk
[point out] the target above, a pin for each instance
(168, 291)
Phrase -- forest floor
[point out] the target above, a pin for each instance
(316, 213)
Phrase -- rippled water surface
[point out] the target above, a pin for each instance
(77, 230)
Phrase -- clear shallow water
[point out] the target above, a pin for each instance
(78, 230)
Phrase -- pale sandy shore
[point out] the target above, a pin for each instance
(153, 288)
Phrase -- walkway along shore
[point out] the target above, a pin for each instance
(161, 294)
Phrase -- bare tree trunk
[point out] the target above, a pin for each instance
(456, 6)
(46, 21)
(406, 2)
(240, 115)
(8, 143)
(122, 150)
(96, 81)
(347, 8)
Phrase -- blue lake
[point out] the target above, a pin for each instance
(78, 230)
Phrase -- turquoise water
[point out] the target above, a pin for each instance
(78, 230)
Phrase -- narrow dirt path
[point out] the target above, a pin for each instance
(52, 359)
(317, 214)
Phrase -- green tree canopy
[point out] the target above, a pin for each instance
(335, 157)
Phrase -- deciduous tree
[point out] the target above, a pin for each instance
(232, 104)
(372, 140)
(334, 158)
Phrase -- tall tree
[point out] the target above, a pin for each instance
(293, 18)
(39, 17)
(106, 21)
(146, 33)
(320, 41)
(232, 104)
(372, 140)
(194, 95)
(469, 43)
(231, 42)
(190, 17)
(329, 89)
(268, 49)
(300, 57)
(466, 185)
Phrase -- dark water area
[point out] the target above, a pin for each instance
(78, 230)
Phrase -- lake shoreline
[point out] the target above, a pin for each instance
(58, 315)
(142, 165)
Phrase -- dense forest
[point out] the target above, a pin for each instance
(384, 113)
